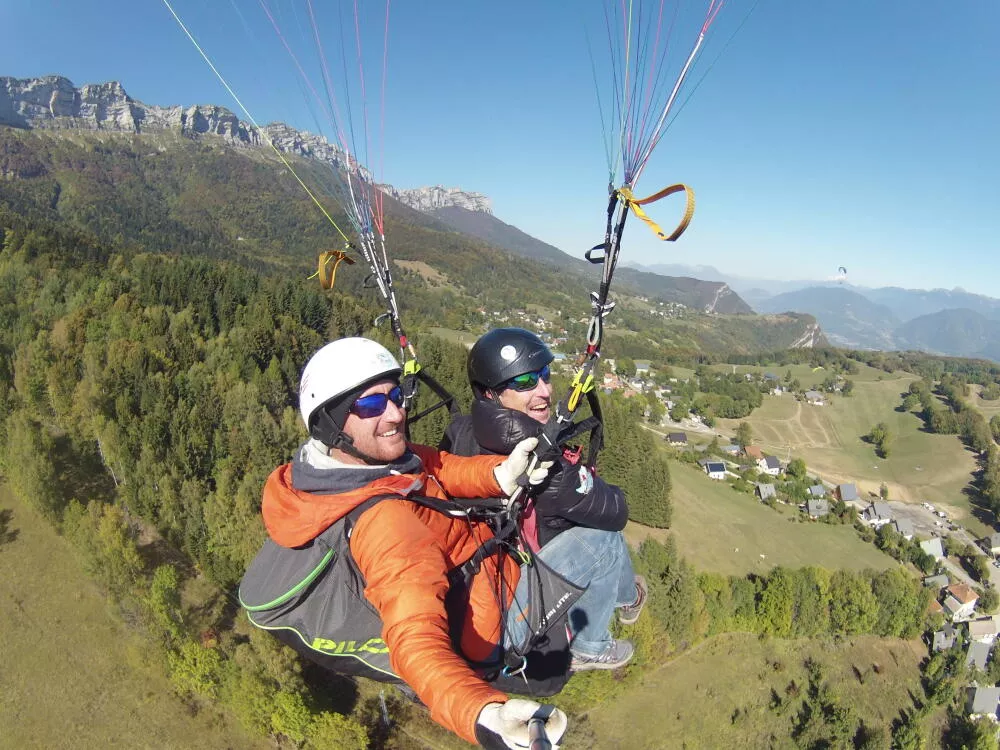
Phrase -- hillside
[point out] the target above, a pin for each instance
(907, 304)
(963, 333)
(847, 317)
(702, 296)
(167, 192)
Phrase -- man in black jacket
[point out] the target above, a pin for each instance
(574, 523)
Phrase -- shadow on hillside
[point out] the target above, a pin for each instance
(977, 507)
(81, 473)
(7, 534)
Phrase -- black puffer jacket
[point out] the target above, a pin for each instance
(571, 496)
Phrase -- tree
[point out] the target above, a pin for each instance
(744, 435)
(853, 607)
(797, 468)
(195, 670)
(330, 730)
(847, 388)
(881, 437)
(988, 601)
(883, 491)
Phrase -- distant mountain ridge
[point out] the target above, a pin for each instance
(54, 103)
(848, 318)
(961, 332)
(703, 296)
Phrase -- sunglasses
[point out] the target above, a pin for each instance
(374, 405)
(528, 380)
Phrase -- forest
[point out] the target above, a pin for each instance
(145, 398)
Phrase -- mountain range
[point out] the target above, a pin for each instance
(942, 321)
(199, 180)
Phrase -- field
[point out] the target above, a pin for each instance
(721, 530)
(988, 408)
(922, 467)
(718, 694)
(807, 376)
(465, 338)
(71, 675)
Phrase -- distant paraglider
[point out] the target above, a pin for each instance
(841, 274)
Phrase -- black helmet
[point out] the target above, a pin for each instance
(504, 353)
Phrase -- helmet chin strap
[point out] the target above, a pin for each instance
(343, 442)
(328, 432)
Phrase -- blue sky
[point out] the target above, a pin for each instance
(826, 134)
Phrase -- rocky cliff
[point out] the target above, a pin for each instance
(430, 199)
(53, 102)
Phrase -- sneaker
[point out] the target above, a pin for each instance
(628, 614)
(617, 654)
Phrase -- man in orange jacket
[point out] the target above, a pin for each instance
(358, 487)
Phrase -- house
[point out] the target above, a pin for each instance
(933, 547)
(935, 608)
(991, 544)
(983, 630)
(731, 450)
(904, 527)
(677, 438)
(877, 514)
(939, 581)
(945, 638)
(642, 367)
(715, 469)
(960, 602)
(770, 465)
(817, 490)
(848, 493)
(752, 451)
(815, 398)
(770, 377)
(766, 491)
(983, 702)
(817, 507)
(977, 655)
(777, 390)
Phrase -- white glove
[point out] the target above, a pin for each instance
(516, 466)
(504, 726)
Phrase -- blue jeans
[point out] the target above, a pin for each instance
(592, 559)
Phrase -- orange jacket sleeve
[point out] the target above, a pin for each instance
(461, 476)
(405, 569)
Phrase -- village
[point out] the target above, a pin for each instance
(960, 611)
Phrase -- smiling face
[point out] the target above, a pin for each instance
(382, 437)
(536, 403)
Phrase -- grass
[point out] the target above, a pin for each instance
(922, 467)
(718, 694)
(808, 376)
(72, 675)
(465, 338)
(988, 408)
(719, 529)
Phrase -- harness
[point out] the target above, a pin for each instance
(313, 600)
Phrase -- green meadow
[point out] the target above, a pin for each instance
(922, 467)
(719, 529)
(72, 676)
(719, 694)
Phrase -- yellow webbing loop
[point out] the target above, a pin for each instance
(338, 256)
(634, 203)
(411, 367)
(579, 388)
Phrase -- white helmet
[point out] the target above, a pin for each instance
(340, 367)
